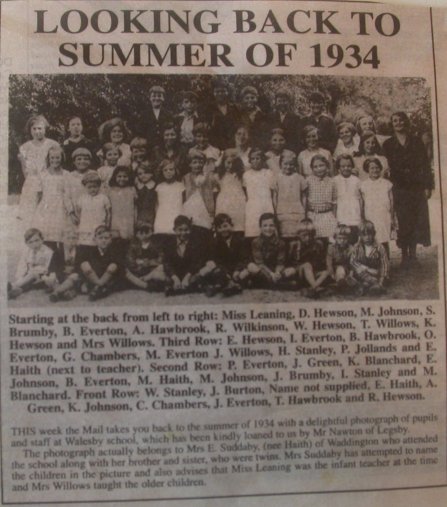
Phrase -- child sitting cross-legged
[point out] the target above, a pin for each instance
(268, 253)
(32, 269)
(100, 266)
(230, 257)
(64, 269)
(307, 259)
(186, 261)
(339, 256)
(369, 261)
(144, 260)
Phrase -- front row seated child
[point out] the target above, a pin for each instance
(186, 261)
(64, 277)
(100, 267)
(369, 261)
(268, 253)
(32, 269)
(144, 260)
(307, 259)
(338, 257)
(230, 257)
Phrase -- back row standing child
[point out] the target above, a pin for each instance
(32, 156)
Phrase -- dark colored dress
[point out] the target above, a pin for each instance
(145, 203)
(411, 175)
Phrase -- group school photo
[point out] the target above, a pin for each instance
(186, 189)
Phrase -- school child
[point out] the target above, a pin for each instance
(369, 262)
(92, 210)
(322, 121)
(253, 117)
(307, 259)
(230, 257)
(223, 116)
(348, 140)
(146, 196)
(75, 139)
(122, 195)
(110, 154)
(377, 193)
(311, 140)
(64, 269)
(201, 143)
(144, 260)
(171, 150)
(242, 144)
(259, 185)
(51, 215)
(139, 151)
(277, 150)
(199, 195)
(32, 157)
(186, 260)
(349, 198)
(365, 124)
(285, 119)
(321, 203)
(290, 188)
(187, 118)
(82, 159)
(339, 256)
(170, 196)
(115, 131)
(156, 117)
(268, 253)
(369, 147)
(100, 267)
(231, 197)
(33, 265)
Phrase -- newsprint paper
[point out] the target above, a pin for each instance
(223, 254)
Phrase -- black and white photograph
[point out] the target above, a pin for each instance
(191, 189)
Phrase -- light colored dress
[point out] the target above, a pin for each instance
(231, 199)
(199, 199)
(169, 206)
(305, 158)
(92, 212)
(75, 190)
(259, 186)
(289, 208)
(341, 149)
(348, 200)
(378, 206)
(274, 160)
(51, 215)
(33, 157)
(122, 200)
(105, 173)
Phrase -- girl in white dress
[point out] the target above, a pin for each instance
(349, 198)
(378, 198)
(32, 156)
(51, 216)
(170, 196)
(231, 197)
(259, 185)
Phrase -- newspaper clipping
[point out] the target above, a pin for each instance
(223, 255)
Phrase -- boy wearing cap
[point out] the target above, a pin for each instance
(100, 266)
(93, 209)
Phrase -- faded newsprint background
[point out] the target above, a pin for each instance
(266, 400)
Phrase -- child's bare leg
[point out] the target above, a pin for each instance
(306, 271)
(340, 273)
(68, 284)
(25, 281)
(321, 277)
(89, 274)
(108, 275)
